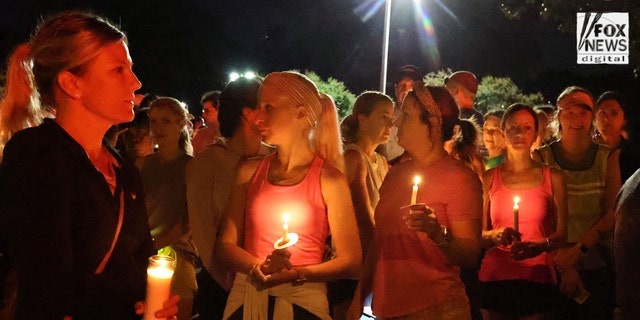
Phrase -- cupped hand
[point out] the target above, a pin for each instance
(570, 282)
(169, 308)
(422, 218)
(525, 250)
(505, 236)
(276, 261)
(280, 277)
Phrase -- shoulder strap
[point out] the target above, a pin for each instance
(106, 258)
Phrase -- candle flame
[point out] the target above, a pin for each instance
(516, 200)
(285, 217)
(416, 180)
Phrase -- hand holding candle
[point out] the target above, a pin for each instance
(159, 276)
(516, 213)
(414, 192)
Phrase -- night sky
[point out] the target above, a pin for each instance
(182, 48)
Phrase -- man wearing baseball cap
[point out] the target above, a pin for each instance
(403, 83)
(463, 86)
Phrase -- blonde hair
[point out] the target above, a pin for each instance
(20, 106)
(325, 140)
(69, 41)
(179, 109)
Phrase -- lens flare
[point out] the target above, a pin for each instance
(368, 8)
(428, 40)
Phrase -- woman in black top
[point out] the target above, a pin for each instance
(72, 210)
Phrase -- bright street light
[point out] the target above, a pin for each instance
(233, 76)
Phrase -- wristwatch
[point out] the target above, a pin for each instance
(445, 236)
(299, 281)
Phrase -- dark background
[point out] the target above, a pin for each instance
(182, 48)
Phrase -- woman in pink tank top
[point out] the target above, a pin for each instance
(413, 267)
(517, 277)
(303, 179)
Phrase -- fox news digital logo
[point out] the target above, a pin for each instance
(603, 38)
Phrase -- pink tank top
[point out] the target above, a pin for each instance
(266, 205)
(537, 221)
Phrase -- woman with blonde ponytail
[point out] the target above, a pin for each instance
(304, 180)
(19, 108)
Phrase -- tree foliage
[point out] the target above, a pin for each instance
(500, 92)
(343, 98)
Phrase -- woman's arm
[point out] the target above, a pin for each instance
(344, 232)
(356, 172)
(229, 244)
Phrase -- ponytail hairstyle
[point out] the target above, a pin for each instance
(179, 109)
(69, 41)
(322, 115)
(325, 139)
(20, 107)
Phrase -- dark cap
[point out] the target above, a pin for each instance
(409, 71)
(463, 79)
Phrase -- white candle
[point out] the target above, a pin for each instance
(516, 213)
(414, 192)
(285, 228)
(159, 276)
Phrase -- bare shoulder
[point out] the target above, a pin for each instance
(354, 162)
(331, 176)
(353, 156)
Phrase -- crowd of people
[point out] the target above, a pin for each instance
(412, 207)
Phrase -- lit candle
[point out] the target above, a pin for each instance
(516, 212)
(414, 192)
(285, 228)
(159, 275)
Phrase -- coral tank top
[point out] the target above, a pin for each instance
(266, 205)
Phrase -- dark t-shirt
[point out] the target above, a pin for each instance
(60, 216)
(626, 253)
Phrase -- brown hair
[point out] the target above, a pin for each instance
(69, 41)
(365, 104)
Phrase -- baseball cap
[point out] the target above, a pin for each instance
(464, 79)
(579, 98)
(409, 71)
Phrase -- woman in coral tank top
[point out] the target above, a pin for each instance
(517, 274)
(304, 179)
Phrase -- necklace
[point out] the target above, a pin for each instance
(292, 179)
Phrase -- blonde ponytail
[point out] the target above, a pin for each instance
(325, 140)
